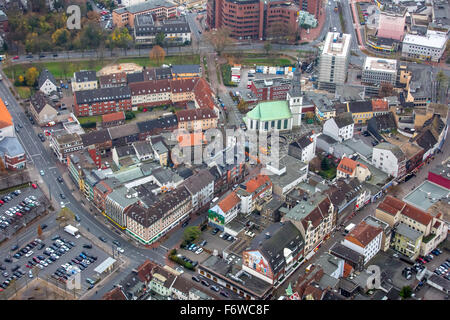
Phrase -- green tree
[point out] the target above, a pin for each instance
(406, 292)
(129, 115)
(267, 47)
(60, 37)
(191, 233)
(159, 39)
(31, 76)
(325, 164)
(120, 38)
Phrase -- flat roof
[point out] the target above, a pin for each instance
(425, 195)
(433, 39)
(340, 47)
(378, 64)
(105, 265)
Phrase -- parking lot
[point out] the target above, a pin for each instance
(16, 211)
(58, 250)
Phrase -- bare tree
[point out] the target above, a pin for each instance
(157, 54)
(219, 39)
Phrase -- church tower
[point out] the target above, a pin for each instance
(295, 98)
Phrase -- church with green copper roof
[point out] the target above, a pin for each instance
(280, 115)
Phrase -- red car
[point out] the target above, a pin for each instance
(34, 186)
(16, 58)
(2, 202)
(28, 266)
(18, 214)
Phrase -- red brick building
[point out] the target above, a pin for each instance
(270, 89)
(312, 6)
(102, 101)
(251, 19)
(440, 175)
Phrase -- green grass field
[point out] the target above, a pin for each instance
(65, 69)
(84, 120)
(24, 92)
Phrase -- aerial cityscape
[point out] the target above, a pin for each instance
(224, 150)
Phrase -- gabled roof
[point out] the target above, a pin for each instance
(359, 106)
(281, 236)
(113, 78)
(302, 142)
(195, 114)
(343, 119)
(257, 184)
(270, 110)
(44, 76)
(203, 94)
(229, 202)
(85, 76)
(102, 95)
(198, 181)
(417, 214)
(348, 165)
(396, 151)
(5, 116)
(185, 68)
(115, 116)
(95, 137)
(363, 234)
(115, 294)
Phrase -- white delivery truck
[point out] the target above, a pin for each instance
(72, 230)
(349, 228)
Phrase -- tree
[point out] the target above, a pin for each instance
(219, 39)
(267, 47)
(2, 166)
(39, 231)
(386, 90)
(60, 37)
(129, 115)
(191, 234)
(242, 106)
(406, 292)
(325, 164)
(120, 38)
(157, 54)
(31, 76)
(309, 115)
(159, 39)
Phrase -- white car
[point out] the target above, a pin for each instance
(120, 250)
(40, 266)
(29, 253)
(63, 205)
(42, 172)
(34, 197)
(49, 261)
(179, 269)
(45, 264)
(30, 274)
(50, 250)
(200, 250)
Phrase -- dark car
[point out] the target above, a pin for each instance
(60, 180)
(195, 279)
(87, 246)
(62, 196)
(206, 284)
(8, 260)
(14, 248)
(117, 243)
(43, 226)
(102, 239)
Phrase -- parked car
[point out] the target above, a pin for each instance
(195, 279)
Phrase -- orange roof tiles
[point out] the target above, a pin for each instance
(191, 139)
(348, 165)
(203, 94)
(417, 214)
(5, 116)
(379, 105)
(255, 183)
(116, 116)
(363, 234)
(229, 202)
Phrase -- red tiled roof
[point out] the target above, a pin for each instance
(363, 234)
(195, 114)
(253, 184)
(113, 78)
(149, 87)
(144, 271)
(203, 94)
(229, 202)
(417, 214)
(116, 116)
(183, 85)
(387, 208)
(348, 165)
(191, 139)
(379, 105)
(114, 294)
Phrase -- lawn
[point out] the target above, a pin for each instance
(64, 69)
(95, 119)
(266, 61)
(24, 92)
